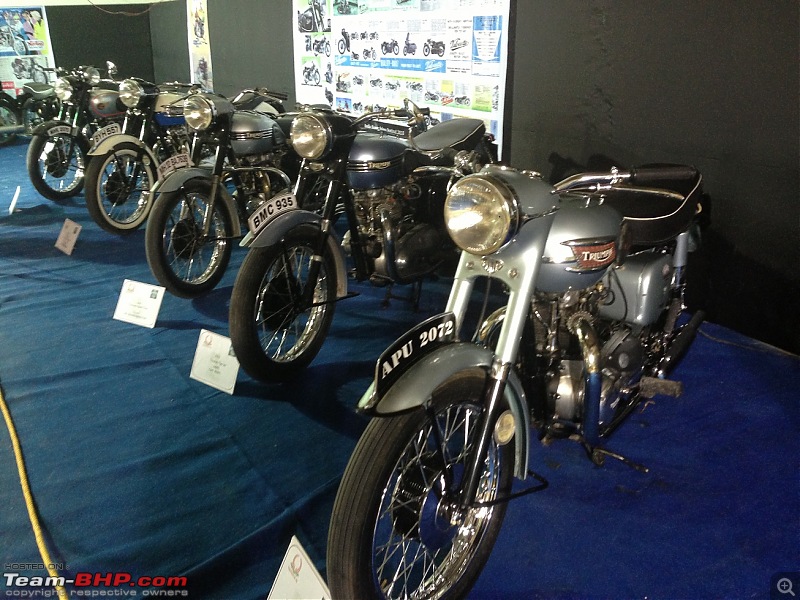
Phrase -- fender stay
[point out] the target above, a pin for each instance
(415, 386)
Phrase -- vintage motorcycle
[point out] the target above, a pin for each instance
(390, 47)
(592, 276)
(124, 166)
(21, 115)
(11, 38)
(318, 46)
(390, 190)
(312, 20)
(195, 218)
(58, 151)
(343, 45)
(433, 47)
(311, 73)
(409, 47)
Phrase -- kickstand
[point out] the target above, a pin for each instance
(598, 456)
(413, 297)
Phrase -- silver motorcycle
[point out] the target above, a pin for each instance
(589, 278)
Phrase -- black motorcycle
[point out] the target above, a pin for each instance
(58, 152)
(409, 47)
(21, 115)
(123, 167)
(344, 44)
(312, 20)
(318, 46)
(391, 190)
(433, 47)
(195, 219)
(311, 74)
(390, 47)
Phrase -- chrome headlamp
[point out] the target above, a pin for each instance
(91, 75)
(481, 214)
(130, 92)
(311, 136)
(199, 112)
(63, 89)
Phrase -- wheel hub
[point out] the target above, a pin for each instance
(421, 510)
(56, 163)
(186, 239)
(116, 189)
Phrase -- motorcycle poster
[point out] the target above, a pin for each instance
(199, 45)
(24, 47)
(361, 55)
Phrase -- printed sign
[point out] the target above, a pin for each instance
(297, 578)
(139, 303)
(214, 362)
(68, 235)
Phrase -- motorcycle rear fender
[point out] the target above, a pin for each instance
(176, 180)
(413, 389)
(119, 138)
(277, 229)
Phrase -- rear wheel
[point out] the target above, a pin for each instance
(8, 118)
(118, 187)
(56, 164)
(394, 532)
(273, 332)
(186, 261)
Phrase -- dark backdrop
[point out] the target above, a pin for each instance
(715, 84)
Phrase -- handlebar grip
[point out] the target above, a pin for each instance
(654, 173)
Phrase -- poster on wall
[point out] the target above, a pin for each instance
(361, 55)
(24, 48)
(199, 46)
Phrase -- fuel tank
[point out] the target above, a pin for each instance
(255, 133)
(105, 104)
(375, 161)
(582, 244)
(168, 109)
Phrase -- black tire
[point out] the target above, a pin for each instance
(265, 311)
(372, 533)
(396, 48)
(426, 49)
(181, 259)
(8, 117)
(118, 187)
(342, 47)
(56, 164)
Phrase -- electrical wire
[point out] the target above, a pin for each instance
(29, 502)
(122, 12)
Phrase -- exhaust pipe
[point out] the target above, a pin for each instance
(9, 129)
(679, 345)
(580, 326)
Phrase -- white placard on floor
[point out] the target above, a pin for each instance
(214, 362)
(139, 303)
(68, 236)
(297, 578)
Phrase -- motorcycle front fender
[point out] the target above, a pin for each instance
(413, 389)
(175, 181)
(48, 126)
(277, 229)
(105, 145)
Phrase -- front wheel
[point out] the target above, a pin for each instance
(118, 188)
(394, 532)
(183, 258)
(274, 332)
(426, 50)
(9, 117)
(56, 164)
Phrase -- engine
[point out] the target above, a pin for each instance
(396, 233)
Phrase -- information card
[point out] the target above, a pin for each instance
(68, 236)
(214, 362)
(139, 303)
(297, 578)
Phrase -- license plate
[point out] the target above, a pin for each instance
(59, 130)
(107, 131)
(266, 212)
(411, 346)
(172, 164)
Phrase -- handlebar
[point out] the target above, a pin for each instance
(644, 175)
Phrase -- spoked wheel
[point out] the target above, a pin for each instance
(8, 118)
(394, 532)
(274, 332)
(186, 261)
(118, 188)
(56, 165)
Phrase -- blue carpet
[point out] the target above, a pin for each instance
(137, 468)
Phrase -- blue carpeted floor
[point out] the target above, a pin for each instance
(137, 468)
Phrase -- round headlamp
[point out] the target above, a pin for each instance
(130, 92)
(198, 112)
(480, 214)
(63, 89)
(91, 75)
(311, 137)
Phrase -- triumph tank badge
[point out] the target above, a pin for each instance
(594, 255)
(379, 165)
